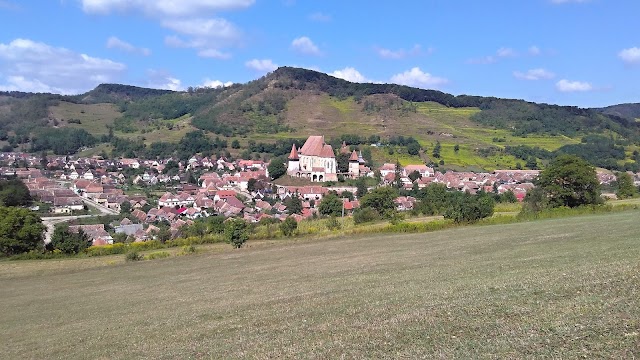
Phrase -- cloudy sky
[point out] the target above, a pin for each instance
(569, 52)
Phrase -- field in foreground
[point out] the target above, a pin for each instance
(562, 288)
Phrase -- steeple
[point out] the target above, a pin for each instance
(294, 153)
(354, 156)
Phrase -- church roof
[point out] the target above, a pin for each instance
(315, 146)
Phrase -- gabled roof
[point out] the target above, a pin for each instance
(315, 146)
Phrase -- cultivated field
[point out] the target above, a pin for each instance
(564, 288)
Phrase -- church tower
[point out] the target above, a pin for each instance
(294, 160)
(354, 165)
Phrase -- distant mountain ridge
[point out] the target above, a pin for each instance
(294, 103)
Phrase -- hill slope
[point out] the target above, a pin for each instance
(564, 288)
(295, 103)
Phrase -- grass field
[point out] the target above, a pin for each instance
(563, 288)
(93, 117)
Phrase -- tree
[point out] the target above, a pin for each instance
(197, 229)
(531, 163)
(436, 150)
(69, 242)
(163, 234)
(20, 231)
(236, 233)
(235, 144)
(467, 208)
(289, 226)
(330, 205)
(397, 181)
(277, 167)
(215, 224)
(14, 192)
(415, 175)
(624, 186)
(361, 187)
(342, 161)
(413, 148)
(381, 200)
(294, 205)
(456, 148)
(125, 208)
(346, 194)
(570, 181)
(251, 184)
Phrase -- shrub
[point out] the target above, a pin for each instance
(235, 232)
(134, 256)
(158, 255)
(289, 226)
(365, 215)
(188, 249)
(333, 224)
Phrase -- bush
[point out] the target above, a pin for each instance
(235, 232)
(134, 256)
(333, 224)
(365, 215)
(158, 255)
(188, 249)
(467, 208)
(117, 248)
(289, 226)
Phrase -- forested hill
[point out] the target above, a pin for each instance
(293, 103)
(629, 111)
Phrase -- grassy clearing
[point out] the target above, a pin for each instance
(562, 288)
(93, 117)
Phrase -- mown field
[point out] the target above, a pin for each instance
(562, 288)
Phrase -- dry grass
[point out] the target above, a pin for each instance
(564, 288)
(93, 117)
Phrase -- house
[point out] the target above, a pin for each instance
(97, 233)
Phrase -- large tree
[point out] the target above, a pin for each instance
(20, 231)
(277, 167)
(381, 200)
(14, 192)
(69, 242)
(330, 205)
(294, 205)
(236, 232)
(624, 186)
(570, 181)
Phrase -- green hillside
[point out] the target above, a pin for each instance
(563, 288)
(293, 103)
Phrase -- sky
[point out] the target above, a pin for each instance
(569, 52)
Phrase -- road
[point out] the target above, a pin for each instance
(50, 223)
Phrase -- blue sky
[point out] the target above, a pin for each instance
(569, 52)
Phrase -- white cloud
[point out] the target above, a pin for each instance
(350, 74)
(163, 8)
(214, 54)
(534, 50)
(630, 55)
(35, 66)
(320, 17)
(115, 43)
(417, 78)
(304, 45)
(503, 52)
(215, 83)
(534, 74)
(401, 53)
(160, 79)
(191, 20)
(262, 66)
(506, 52)
(573, 86)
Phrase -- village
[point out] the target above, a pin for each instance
(146, 194)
